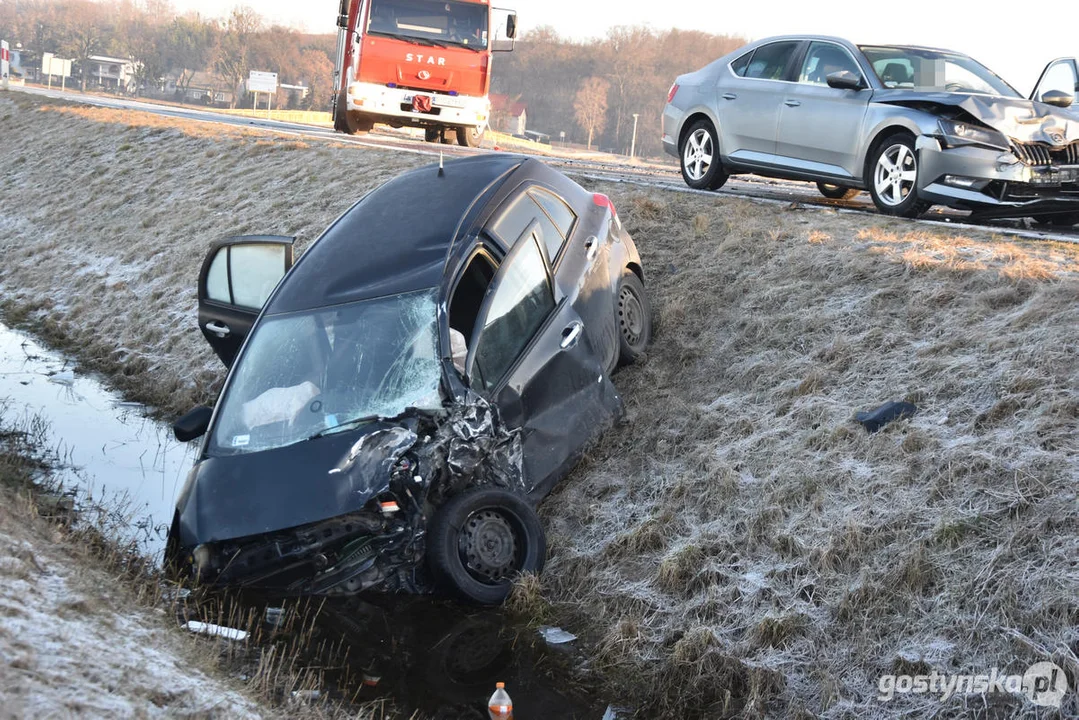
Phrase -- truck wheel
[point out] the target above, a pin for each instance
(352, 123)
(480, 540)
(470, 137)
(432, 135)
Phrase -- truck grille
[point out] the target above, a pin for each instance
(1041, 154)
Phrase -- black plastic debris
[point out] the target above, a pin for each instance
(874, 420)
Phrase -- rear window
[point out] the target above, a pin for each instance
(772, 61)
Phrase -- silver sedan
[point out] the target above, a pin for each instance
(913, 126)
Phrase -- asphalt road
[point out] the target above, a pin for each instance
(646, 174)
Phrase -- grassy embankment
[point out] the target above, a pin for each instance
(740, 544)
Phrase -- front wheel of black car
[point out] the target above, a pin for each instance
(1059, 220)
(480, 540)
(633, 311)
(837, 192)
(701, 168)
(893, 177)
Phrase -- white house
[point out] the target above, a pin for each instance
(111, 73)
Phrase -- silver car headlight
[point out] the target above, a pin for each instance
(957, 133)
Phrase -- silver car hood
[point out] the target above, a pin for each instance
(1019, 119)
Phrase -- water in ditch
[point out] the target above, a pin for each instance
(437, 659)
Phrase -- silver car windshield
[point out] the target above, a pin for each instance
(934, 71)
(314, 373)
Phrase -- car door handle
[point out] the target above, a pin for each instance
(730, 96)
(791, 103)
(591, 247)
(222, 331)
(571, 335)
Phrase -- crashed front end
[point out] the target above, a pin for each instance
(376, 495)
(1001, 158)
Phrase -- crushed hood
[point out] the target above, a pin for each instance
(1022, 120)
(237, 496)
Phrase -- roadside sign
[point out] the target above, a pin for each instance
(5, 63)
(262, 82)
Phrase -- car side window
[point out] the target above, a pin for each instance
(525, 209)
(738, 67)
(771, 61)
(1060, 77)
(559, 213)
(822, 60)
(519, 304)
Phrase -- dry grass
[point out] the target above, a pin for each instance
(740, 545)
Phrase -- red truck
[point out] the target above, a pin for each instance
(421, 63)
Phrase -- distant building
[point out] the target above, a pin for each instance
(508, 115)
(110, 73)
(202, 88)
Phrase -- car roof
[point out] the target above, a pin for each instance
(398, 238)
(844, 41)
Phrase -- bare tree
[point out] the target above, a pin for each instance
(590, 106)
(231, 57)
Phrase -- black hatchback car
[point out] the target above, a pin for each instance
(400, 400)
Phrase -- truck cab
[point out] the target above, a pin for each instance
(419, 63)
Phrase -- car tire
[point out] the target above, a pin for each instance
(837, 192)
(633, 313)
(893, 177)
(470, 137)
(699, 152)
(1058, 220)
(479, 540)
(432, 135)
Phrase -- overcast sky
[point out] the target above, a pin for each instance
(1014, 47)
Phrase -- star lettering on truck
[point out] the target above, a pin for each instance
(426, 59)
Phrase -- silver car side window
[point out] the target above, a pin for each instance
(823, 59)
(771, 61)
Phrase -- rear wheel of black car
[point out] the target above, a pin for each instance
(893, 177)
(480, 540)
(633, 311)
(837, 192)
(1060, 220)
(701, 168)
(470, 137)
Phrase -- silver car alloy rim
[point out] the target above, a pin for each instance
(697, 157)
(896, 174)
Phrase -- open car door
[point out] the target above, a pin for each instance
(530, 354)
(1060, 76)
(237, 278)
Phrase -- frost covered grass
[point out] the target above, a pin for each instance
(106, 215)
(89, 628)
(739, 545)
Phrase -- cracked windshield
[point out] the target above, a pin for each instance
(309, 373)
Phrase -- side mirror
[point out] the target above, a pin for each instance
(193, 425)
(511, 27)
(844, 80)
(1058, 98)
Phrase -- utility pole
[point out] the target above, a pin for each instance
(633, 143)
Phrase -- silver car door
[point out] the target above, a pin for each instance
(747, 105)
(1061, 75)
(820, 127)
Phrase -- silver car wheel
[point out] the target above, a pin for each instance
(697, 156)
(895, 175)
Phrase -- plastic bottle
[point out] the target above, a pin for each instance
(500, 707)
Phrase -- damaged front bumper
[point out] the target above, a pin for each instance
(388, 482)
(999, 183)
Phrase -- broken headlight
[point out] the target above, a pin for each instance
(957, 133)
